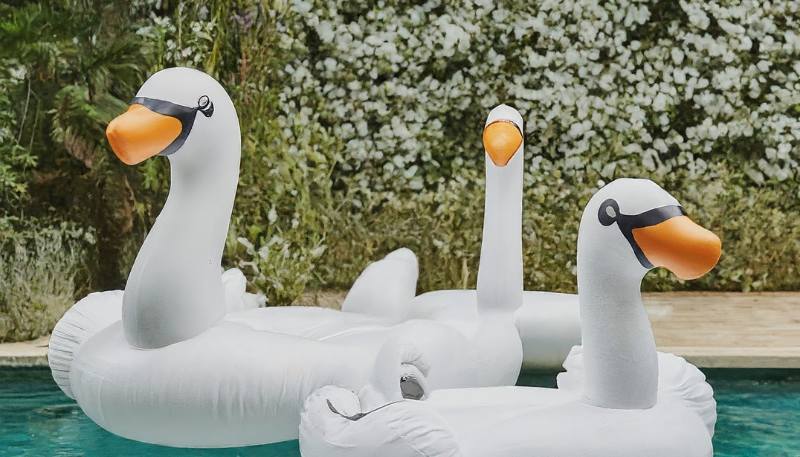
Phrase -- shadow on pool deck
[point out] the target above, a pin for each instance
(709, 329)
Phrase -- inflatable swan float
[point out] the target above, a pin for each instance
(618, 397)
(184, 357)
(548, 323)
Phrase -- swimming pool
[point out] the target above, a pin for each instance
(759, 415)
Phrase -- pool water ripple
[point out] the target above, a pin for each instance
(757, 417)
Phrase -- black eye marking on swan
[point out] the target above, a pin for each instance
(205, 106)
(184, 114)
(609, 213)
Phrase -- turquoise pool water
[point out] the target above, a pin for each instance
(759, 415)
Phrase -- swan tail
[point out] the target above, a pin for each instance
(83, 320)
(386, 287)
(378, 420)
(236, 298)
(677, 378)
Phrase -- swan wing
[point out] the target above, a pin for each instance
(681, 379)
(677, 379)
(236, 298)
(386, 287)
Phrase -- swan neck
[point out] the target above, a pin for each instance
(200, 203)
(174, 290)
(500, 275)
(619, 349)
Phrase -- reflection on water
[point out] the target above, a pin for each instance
(38, 420)
(58, 410)
(759, 415)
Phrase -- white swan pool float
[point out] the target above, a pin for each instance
(548, 322)
(618, 397)
(184, 357)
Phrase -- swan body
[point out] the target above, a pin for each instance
(184, 357)
(501, 422)
(548, 323)
(243, 381)
(618, 397)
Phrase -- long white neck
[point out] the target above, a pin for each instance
(500, 272)
(174, 291)
(619, 349)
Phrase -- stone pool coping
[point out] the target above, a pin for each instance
(709, 329)
(24, 354)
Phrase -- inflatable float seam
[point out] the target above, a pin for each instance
(74, 328)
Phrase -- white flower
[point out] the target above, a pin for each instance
(392, 86)
(325, 31)
(660, 102)
(730, 27)
(677, 56)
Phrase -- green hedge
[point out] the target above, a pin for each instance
(361, 125)
(41, 272)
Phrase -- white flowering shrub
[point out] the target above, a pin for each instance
(701, 97)
(362, 123)
(666, 86)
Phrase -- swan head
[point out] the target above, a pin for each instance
(178, 112)
(502, 135)
(633, 225)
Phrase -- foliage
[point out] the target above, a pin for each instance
(702, 98)
(40, 274)
(16, 161)
(361, 127)
(72, 72)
